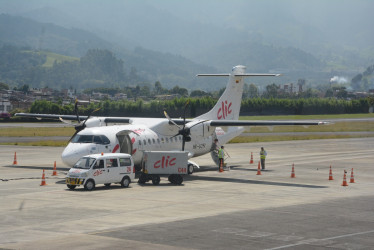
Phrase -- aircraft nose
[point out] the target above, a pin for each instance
(72, 153)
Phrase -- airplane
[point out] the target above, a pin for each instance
(197, 136)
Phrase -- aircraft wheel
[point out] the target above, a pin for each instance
(125, 182)
(90, 185)
(190, 169)
(156, 180)
(71, 187)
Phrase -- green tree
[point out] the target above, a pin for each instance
(253, 91)
(3, 86)
(271, 91)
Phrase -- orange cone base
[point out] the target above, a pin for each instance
(344, 184)
(259, 169)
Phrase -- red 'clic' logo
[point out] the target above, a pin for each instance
(165, 162)
(224, 110)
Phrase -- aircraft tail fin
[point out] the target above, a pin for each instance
(228, 105)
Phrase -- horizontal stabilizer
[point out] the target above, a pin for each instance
(218, 123)
(249, 74)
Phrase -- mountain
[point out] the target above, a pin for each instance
(313, 40)
(21, 31)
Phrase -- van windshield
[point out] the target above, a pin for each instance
(84, 163)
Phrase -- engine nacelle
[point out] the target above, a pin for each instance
(201, 130)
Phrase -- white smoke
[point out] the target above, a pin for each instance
(339, 79)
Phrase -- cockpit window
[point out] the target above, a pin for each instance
(97, 139)
(84, 163)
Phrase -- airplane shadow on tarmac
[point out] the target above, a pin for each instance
(234, 180)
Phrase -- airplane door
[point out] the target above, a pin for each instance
(125, 143)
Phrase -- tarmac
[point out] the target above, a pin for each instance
(235, 209)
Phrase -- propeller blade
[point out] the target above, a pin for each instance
(170, 120)
(76, 110)
(66, 121)
(183, 143)
(184, 113)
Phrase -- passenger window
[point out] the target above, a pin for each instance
(171, 139)
(158, 141)
(111, 163)
(124, 162)
(140, 142)
(162, 139)
(145, 143)
(149, 141)
(167, 140)
(154, 141)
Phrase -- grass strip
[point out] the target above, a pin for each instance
(37, 131)
(307, 117)
(38, 143)
(360, 126)
(249, 139)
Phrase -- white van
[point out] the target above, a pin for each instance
(95, 169)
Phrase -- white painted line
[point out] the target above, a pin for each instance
(316, 240)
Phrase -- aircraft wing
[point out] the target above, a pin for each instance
(219, 123)
(49, 116)
(74, 117)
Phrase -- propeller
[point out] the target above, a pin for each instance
(80, 125)
(184, 131)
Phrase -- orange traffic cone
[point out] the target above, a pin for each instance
(344, 180)
(259, 169)
(221, 167)
(293, 171)
(43, 180)
(330, 175)
(251, 161)
(352, 180)
(54, 170)
(15, 159)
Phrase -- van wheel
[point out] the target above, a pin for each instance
(156, 180)
(125, 182)
(90, 185)
(71, 187)
(107, 184)
(190, 169)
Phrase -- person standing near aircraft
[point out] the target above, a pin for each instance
(221, 156)
(263, 155)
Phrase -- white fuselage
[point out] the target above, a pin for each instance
(144, 134)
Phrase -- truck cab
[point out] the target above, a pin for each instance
(95, 169)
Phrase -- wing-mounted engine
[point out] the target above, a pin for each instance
(200, 129)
